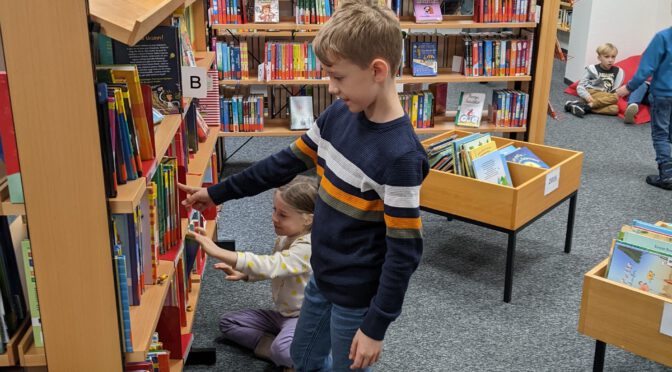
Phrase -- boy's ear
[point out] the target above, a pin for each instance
(380, 69)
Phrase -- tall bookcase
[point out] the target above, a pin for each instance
(48, 58)
(49, 64)
(537, 84)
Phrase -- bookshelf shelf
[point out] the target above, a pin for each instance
(128, 196)
(444, 77)
(563, 28)
(145, 317)
(176, 365)
(193, 302)
(405, 25)
(11, 355)
(205, 59)
(280, 128)
(29, 354)
(128, 21)
(200, 160)
(565, 4)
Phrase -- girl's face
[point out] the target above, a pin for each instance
(287, 221)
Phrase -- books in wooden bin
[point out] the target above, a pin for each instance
(525, 156)
(492, 168)
(424, 59)
(301, 110)
(266, 11)
(470, 109)
(641, 258)
(427, 11)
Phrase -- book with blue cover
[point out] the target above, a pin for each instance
(492, 168)
(526, 157)
(640, 268)
(424, 59)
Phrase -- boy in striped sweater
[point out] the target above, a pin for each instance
(366, 237)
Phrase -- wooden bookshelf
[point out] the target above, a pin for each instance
(176, 365)
(11, 355)
(193, 302)
(8, 208)
(563, 28)
(29, 354)
(128, 196)
(567, 5)
(442, 77)
(200, 160)
(405, 25)
(145, 317)
(205, 59)
(128, 21)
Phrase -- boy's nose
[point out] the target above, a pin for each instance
(332, 89)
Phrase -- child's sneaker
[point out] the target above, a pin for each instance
(630, 112)
(569, 104)
(577, 110)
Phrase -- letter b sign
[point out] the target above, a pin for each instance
(194, 83)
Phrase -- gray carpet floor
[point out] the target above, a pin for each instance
(453, 317)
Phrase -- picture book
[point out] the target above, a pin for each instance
(424, 59)
(266, 11)
(492, 168)
(157, 56)
(470, 109)
(646, 239)
(427, 11)
(640, 268)
(507, 150)
(524, 156)
(301, 111)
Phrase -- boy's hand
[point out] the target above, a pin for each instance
(589, 99)
(622, 91)
(197, 197)
(364, 351)
(231, 274)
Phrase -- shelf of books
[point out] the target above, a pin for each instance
(128, 21)
(445, 77)
(145, 316)
(199, 162)
(632, 289)
(205, 59)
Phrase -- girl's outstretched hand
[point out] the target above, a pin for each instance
(231, 273)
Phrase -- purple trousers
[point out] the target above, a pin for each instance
(245, 327)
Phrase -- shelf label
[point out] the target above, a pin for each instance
(552, 181)
(194, 82)
(666, 320)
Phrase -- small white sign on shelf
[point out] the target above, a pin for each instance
(552, 181)
(194, 82)
(666, 320)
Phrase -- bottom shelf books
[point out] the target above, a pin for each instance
(477, 156)
(641, 257)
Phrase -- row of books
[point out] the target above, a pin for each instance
(158, 358)
(228, 12)
(505, 10)
(313, 11)
(641, 257)
(565, 18)
(232, 61)
(287, 61)
(419, 106)
(497, 54)
(16, 283)
(242, 114)
(509, 108)
(477, 156)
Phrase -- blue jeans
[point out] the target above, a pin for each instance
(661, 115)
(324, 326)
(639, 95)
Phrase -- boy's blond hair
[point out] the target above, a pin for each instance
(360, 31)
(606, 48)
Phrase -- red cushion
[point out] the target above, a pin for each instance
(629, 66)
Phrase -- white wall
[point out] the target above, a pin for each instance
(625, 23)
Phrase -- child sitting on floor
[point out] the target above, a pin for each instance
(598, 85)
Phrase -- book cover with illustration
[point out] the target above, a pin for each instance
(427, 11)
(158, 57)
(266, 11)
(525, 156)
(424, 59)
(301, 111)
(639, 268)
(492, 168)
(470, 109)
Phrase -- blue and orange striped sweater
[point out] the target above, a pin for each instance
(367, 233)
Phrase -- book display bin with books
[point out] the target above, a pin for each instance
(631, 317)
(535, 191)
(292, 33)
(67, 192)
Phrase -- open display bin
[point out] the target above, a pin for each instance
(535, 192)
(619, 315)
(505, 207)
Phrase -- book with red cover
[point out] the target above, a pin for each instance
(9, 142)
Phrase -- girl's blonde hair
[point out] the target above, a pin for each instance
(300, 193)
